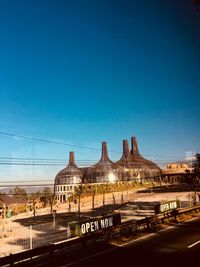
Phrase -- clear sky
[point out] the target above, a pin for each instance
(86, 71)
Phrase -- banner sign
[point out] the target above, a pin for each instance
(167, 206)
(101, 223)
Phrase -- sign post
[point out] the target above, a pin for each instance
(54, 217)
(9, 215)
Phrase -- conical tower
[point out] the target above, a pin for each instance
(70, 174)
(149, 167)
(105, 170)
(125, 160)
(126, 163)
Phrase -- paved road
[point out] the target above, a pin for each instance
(177, 246)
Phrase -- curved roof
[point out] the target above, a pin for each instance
(70, 174)
(105, 170)
(141, 162)
(126, 159)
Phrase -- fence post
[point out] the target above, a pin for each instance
(31, 237)
(54, 217)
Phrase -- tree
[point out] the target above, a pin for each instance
(196, 170)
(78, 192)
(46, 196)
(19, 193)
(35, 196)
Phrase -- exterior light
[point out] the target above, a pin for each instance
(111, 177)
(74, 179)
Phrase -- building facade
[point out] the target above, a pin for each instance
(131, 166)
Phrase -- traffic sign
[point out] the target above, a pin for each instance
(9, 213)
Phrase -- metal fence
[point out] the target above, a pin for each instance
(23, 238)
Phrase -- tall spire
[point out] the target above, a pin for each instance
(125, 148)
(134, 147)
(105, 170)
(71, 174)
(71, 158)
(125, 160)
(104, 155)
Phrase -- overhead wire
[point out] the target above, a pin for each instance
(73, 145)
(50, 141)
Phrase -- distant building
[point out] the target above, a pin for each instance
(131, 166)
(176, 168)
(105, 171)
(12, 203)
(145, 167)
(67, 180)
(135, 166)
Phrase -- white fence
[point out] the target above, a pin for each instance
(24, 238)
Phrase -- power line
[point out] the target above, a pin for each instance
(27, 185)
(73, 145)
(33, 164)
(53, 165)
(39, 159)
(16, 194)
(81, 164)
(51, 142)
(26, 182)
(12, 181)
(11, 159)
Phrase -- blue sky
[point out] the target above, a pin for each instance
(85, 71)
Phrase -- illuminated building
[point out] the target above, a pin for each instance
(126, 162)
(146, 168)
(135, 166)
(131, 166)
(67, 180)
(105, 170)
